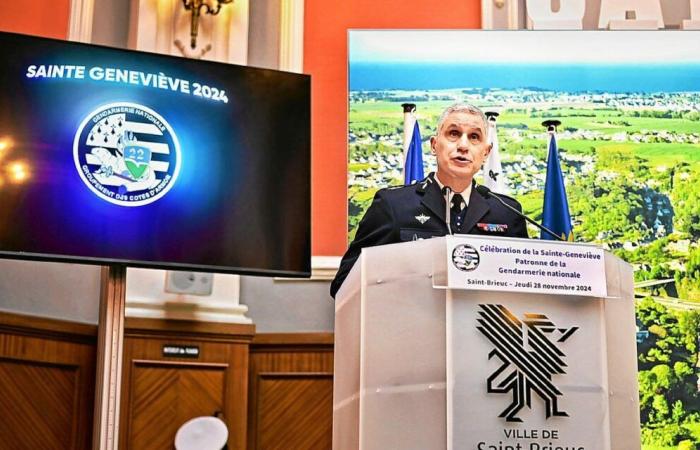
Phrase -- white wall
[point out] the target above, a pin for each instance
(288, 306)
(61, 291)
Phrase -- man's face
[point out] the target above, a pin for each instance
(460, 147)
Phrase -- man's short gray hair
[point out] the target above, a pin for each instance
(460, 107)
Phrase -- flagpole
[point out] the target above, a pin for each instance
(551, 126)
(409, 120)
(555, 211)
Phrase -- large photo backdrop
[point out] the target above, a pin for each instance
(629, 145)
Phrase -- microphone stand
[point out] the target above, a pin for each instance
(448, 212)
(487, 192)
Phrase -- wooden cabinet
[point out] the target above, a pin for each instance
(161, 392)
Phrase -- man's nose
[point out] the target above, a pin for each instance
(463, 142)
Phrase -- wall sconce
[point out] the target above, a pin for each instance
(210, 7)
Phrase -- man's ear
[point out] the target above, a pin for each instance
(488, 150)
(432, 145)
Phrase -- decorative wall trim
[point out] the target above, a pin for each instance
(486, 14)
(291, 56)
(266, 342)
(323, 268)
(185, 329)
(47, 328)
(182, 310)
(488, 18)
(80, 20)
(179, 364)
(146, 297)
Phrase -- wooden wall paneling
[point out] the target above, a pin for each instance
(295, 411)
(47, 382)
(32, 391)
(160, 393)
(165, 395)
(291, 391)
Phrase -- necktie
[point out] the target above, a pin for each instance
(457, 208)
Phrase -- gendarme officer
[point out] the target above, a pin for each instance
(407, 213)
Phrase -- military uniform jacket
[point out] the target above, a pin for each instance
(417, 211)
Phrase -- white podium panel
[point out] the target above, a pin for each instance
(420, 367)
(533, 388)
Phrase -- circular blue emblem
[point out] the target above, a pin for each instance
(127, 154)
(465, 257)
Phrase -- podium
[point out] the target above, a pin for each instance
(471, 342)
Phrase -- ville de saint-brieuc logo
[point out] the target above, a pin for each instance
(529, 357)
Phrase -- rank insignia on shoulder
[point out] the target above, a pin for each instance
(493, 227)
(422, 218)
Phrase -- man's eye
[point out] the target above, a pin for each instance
(475, 136)
(455, 133)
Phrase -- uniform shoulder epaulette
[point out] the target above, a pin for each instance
(420, 183)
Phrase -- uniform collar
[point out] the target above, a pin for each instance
(435, 201)
(466, 194)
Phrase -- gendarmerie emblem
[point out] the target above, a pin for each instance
(465, 257)
(127, 154)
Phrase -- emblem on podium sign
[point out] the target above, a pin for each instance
(465, 257)
(530, 357)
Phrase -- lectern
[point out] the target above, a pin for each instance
(472, 342)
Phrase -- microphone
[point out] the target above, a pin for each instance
(448, 214)
(486, 192)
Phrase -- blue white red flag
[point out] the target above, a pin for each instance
(413, 166)
(555, 215)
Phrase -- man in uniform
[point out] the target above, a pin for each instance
(417, 211)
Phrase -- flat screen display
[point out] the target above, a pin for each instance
(116, 156)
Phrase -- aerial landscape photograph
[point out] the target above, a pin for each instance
(629, 148)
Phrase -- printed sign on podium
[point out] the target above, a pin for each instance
(524, 265)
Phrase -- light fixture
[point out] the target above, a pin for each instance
(195, 6)
(18, 171)
(5, 146)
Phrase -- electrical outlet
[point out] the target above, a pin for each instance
(190, 283)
